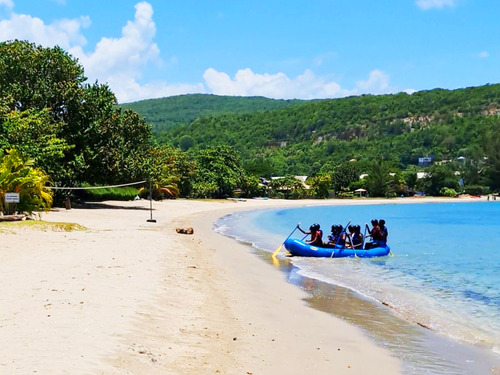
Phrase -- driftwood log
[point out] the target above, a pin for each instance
(185, 230)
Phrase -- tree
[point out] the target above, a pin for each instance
(169, 168)
(320, 186)
(492, 149)
(440, 176)
(379, 179)
(289, 186)
(35, 133)
(344, 175)
(97, 141)
(218, 172)
(34, 77)
(411, 179)
(18, 175)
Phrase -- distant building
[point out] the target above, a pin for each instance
(425, 161)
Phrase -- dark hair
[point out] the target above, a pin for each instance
(374, 222)
(381, 221)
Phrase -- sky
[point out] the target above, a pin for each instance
(305, 49)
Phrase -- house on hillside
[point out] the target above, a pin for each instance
(425, 161)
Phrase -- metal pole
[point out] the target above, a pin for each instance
(151, 220)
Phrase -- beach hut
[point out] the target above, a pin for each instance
(362, 192)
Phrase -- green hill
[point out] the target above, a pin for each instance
(313, 136)
(166, 113)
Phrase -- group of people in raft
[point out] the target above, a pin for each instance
(353, 239)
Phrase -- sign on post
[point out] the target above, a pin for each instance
(11, 197)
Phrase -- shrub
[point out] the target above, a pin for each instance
(448, 192)
(476, 190)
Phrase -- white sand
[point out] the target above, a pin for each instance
(131, 297)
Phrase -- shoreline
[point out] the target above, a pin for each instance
(136, 297)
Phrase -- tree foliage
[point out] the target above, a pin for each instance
(18, 175)
(218, 172)
(313, 137)
(73, 129)
(379, 179)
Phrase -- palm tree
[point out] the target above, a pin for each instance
(18, 175)
(379, 179)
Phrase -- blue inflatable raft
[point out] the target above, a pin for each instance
(300, 248)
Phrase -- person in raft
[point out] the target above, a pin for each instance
(334, 237)
(383, 230)
(316, 235)
(375, 234)
(355, 237)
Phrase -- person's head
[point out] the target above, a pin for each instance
(381, 222)
(374, 222)
(314, 228)
(351, 228)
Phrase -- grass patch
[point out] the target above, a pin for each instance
(13, 226)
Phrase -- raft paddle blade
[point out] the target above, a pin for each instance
(277, 251)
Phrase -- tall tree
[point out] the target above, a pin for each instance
(218, 172)
(344, 175)
(440, 176)
(379, 179)
(100, 142)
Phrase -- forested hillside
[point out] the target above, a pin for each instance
(313, 137)
(166, 113)
(56, 130)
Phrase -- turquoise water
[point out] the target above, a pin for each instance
(444, 273)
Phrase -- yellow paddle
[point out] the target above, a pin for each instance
(279, 247)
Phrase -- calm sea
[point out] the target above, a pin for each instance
(442, 280)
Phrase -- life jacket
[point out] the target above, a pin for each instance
(377, 234)
(357, 239)
(317, 238)
(384, 233)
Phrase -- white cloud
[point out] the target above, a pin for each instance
(7, 3)
(119, 62)
(65, 33)
(278, 86)
(484, 54)
(124, 56)
(377, 83)
(435, 4)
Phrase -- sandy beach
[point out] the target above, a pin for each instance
(127, 296)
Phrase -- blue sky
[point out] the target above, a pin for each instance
(279, 49)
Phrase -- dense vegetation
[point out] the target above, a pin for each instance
(166, 113)
(56, 129)
(314, 137)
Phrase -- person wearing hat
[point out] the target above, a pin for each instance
(316, 234)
